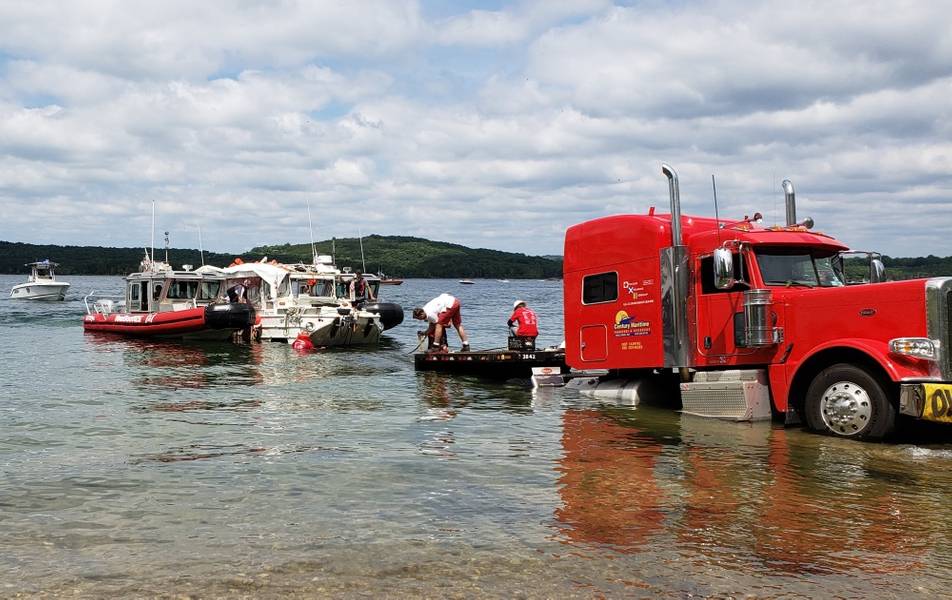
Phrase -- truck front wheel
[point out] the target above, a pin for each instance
(847, 401)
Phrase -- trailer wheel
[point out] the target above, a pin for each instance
(848, 401)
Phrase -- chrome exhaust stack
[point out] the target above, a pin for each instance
(675, 278)
(675, 195)
(791, 202)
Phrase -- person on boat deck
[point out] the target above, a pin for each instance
(440, 312)
(237, 293)
(360, 290)
(523, 322)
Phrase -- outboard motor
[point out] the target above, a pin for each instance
(391, 313)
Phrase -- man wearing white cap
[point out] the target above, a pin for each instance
(523, 322)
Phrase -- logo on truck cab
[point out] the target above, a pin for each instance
(627, 325)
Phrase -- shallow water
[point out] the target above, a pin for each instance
(135, 468)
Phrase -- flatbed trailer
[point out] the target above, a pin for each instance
(492, 364)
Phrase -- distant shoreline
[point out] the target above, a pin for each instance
(397, 256)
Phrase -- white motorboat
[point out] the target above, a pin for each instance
(42, 284)
(290, 299)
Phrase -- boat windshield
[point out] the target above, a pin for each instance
(804, 267)
(209, 290)
(321, 288)
(182, 290)
(343, 287)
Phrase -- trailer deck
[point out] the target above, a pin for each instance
(494, 364)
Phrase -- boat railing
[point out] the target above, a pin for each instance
(102, 304)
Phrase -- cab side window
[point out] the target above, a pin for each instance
(600, 288)
(707, 277)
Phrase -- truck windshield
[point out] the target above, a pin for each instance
(797, 267)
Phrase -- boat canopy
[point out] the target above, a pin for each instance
(270, 274)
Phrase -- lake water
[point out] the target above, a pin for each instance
(134, 468)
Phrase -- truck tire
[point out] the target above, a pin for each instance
(848, 401)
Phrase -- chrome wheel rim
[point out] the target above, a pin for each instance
(846, 408)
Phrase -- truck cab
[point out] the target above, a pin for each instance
(734, 302)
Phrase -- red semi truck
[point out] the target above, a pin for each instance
(755, 321)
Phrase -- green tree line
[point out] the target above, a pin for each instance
(395, 255)
(405, 256)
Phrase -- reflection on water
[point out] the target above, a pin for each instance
(741, 496)
(608, 487)
(845, 521)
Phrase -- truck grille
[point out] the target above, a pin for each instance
(938, 320)
(947, 354)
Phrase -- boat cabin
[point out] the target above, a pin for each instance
(42, 271)
(344, 280)
(167, 290)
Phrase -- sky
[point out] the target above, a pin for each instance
(489, 124)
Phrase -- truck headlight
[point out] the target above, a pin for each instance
(916, 347)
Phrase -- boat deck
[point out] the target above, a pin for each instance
(494, 364)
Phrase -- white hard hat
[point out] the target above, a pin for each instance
(516, 304)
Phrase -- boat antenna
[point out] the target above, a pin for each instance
(166, 247)
(334, 250)
(152, 258)
(310, 229)
(201, 250)
(363, 263)
(717, 218)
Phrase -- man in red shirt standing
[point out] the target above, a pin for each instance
(523, 322)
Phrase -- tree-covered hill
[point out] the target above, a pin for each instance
(416, 257)
(395, 255)
(96, 260)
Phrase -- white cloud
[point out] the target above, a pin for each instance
(474, 126)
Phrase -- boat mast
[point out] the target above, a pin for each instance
(310, 229)
(201, 250)
(166, 247)
(152, 258)
(363, 263)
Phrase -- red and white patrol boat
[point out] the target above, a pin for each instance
(162, 302)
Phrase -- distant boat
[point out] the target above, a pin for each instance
(386, 280)
(41, 285)
(467, 281)
(503, 280)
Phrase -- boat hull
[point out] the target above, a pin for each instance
(348, 332)
(212, 322)
(325, 330)
(39, 291)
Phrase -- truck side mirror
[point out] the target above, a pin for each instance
(877, 271)
(724, 269)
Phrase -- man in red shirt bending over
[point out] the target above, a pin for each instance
(523, 323)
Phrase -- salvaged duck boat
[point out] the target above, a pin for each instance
(162, 302)
(41, 285)
(315, 299)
